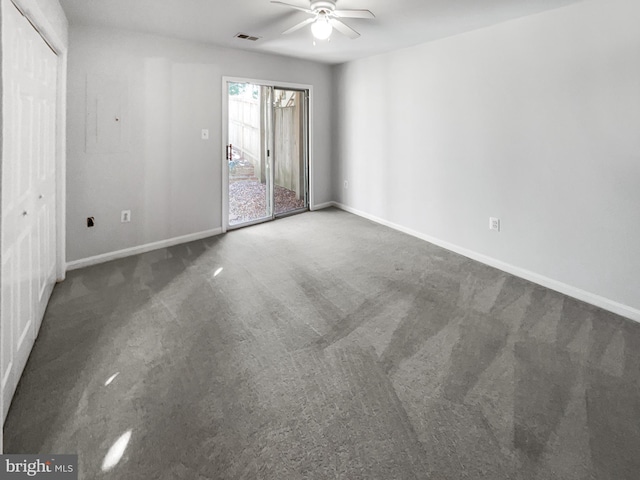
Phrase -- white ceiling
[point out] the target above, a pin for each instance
(398, 23)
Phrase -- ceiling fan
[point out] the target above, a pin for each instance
(325, 18)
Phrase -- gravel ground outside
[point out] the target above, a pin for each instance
(247, 201)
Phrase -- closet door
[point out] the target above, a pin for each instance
(29, 71)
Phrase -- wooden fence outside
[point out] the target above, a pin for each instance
(245, 136)
(244, 127)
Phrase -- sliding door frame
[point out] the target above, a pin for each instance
(225, 132)
(305, 137)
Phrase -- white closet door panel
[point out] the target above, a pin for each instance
(28, 191)
(24, 284)
(9, 310)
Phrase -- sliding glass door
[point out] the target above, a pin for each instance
(249, 153)
(290, 172)
(267, 152)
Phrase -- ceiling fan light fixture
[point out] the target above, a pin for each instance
(321, 28)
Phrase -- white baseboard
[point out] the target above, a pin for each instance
(127, 252)
(322, 206)
(569, 290)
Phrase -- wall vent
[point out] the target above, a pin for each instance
(244, 36)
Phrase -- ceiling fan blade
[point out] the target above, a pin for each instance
(299, 26)
(344, 28)
(306, 10)
(354, 14)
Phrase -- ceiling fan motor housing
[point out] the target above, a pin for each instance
(323, 6)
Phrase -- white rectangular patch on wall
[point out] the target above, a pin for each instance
(107, 111)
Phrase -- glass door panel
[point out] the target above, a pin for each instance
(248, 154)
(290, 152)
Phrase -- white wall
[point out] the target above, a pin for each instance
(535, 121)
(159, 167)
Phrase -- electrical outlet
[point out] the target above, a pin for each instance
(494, 224)
(125, 216)
(346, 184)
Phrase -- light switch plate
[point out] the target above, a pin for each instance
(205, 134)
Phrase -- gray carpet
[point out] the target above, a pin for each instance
(328, 347)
